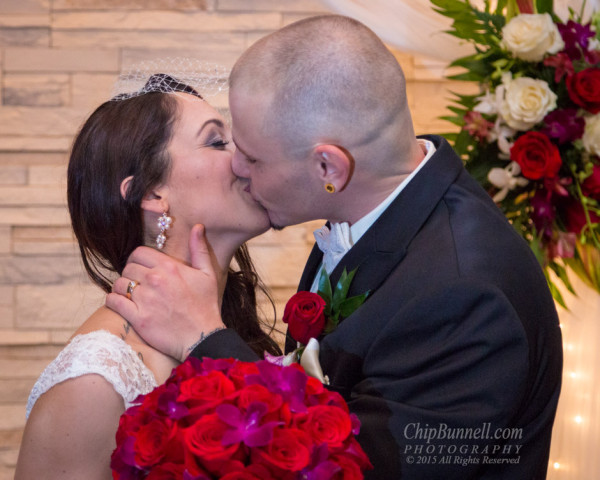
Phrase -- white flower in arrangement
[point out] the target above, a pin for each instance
(506, 179)
(502, 135)
(591, 136)
(526, 101)
(488, 103)
(531, 36)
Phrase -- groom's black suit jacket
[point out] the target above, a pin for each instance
(458, 342)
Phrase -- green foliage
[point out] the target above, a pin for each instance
(337, 305)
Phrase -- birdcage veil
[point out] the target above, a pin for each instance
(170, 75)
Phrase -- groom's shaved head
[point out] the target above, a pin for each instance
(326, 79)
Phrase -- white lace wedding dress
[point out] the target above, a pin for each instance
(101, 353)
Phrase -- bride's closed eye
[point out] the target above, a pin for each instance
(219, 144)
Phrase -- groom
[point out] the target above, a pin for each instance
(453, 363)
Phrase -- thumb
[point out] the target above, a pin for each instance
(199, 253)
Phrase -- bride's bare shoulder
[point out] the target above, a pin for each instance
(105, 319)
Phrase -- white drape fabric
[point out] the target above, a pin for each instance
(576, 435)
(412, 26)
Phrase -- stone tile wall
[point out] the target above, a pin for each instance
(58, 60)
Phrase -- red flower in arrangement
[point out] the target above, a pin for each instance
(269, 422)
(537, 156)
(591, 185)
(477, 125)
(562, 65)
(539, 92)
(576, 218)
(584, 89)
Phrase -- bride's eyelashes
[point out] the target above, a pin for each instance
(219, 144)
(216, 141)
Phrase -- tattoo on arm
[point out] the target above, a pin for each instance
(204, 336)
(127, 327)
(140, 356)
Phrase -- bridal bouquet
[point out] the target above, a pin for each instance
(531, 137)
(231, 420)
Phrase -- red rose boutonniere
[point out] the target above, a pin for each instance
(309, 315)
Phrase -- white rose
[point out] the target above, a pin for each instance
(531, 36)
(591, 136)
(526, 102)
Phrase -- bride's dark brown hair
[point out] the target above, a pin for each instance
(125, 138)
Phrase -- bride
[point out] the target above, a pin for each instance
(144, 169)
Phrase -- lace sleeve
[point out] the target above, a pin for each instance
(100, 353)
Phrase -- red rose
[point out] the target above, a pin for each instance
(151, 441)
(259, 393)
(536, 155)
(327, 424)
(206, 390)
(304, 314)
(204, 439)
(584, 89)
(327, 397)
(288, 450)
(237, 373)
(166, 471)
(575, 216)
(251, 472)
(314, 386)
(350, 469)
(591, 185)
(129, 423)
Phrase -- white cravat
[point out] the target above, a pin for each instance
(335, 243)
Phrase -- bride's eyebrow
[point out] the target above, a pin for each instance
(211, 121)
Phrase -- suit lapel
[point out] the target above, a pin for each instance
(310, 270)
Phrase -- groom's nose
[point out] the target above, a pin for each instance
(239, 165)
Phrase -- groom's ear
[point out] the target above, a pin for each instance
(334, 165)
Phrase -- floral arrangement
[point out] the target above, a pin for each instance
(309, 315)
(236, 420)
(531, 137)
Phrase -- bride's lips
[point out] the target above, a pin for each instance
(248, 190)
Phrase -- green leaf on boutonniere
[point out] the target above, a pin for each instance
(337, 305)
(341, 291)
(324, 290)
(350, 304)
